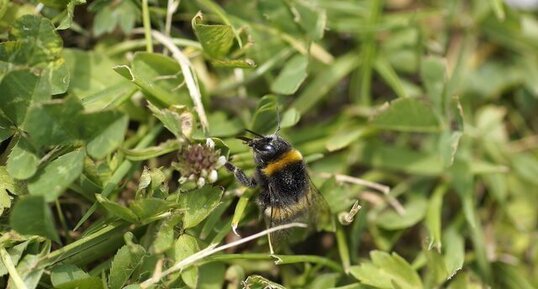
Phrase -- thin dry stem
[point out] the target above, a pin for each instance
(210, 250)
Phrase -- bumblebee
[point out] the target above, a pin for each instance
(286, 190)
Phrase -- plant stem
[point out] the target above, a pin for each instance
(147, 25)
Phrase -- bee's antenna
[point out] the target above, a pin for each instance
(254, 133)
(277, 120)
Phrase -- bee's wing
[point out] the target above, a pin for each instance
(319, 211)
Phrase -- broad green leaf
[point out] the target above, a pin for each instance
(126, 260)
(177, 119)
(55, 3)
(19, 89)
(265, 120)
(184, 247)
(259, 282)
(164, 238)
(407, 114)
(343, 138)
(117, 210)
(415, 211)
(85, 283)
(433, 217)
(464, 184)
(325, 280)
(211, 275)
(94, 81)
(109, 16)
(387, 271)
(198, 204)
(222, 126)
(104, 132)
(31, 216)
(158, 76)
(437, 272)
(22, 161)
(148, 207)
(290, 118)
(216, 40)
(433, 74)
(35, 42)
(454, 251)
(54, 178)
(54, 122)
(292, 76)
(64, 273)
(58, 77)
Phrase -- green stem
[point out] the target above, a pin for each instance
(6, 259)
(280, 259)
(147, 25)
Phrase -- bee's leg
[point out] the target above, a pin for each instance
(240, 175)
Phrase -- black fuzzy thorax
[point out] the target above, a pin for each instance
(284, 187)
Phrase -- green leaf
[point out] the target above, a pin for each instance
(325, 280)
(259, 282)
(198, 204)
(222, 126)
(177, 119)
(22, 161)
(433, 217)
(265, 120)
(343, 138)
(387, 271)
(184, 247)
(292, 75)
(104, 131)
(407, 114)
(164, 238)
(158, 76)
(54, 123)
(67, 21)
(35, 42)
(31, 216)
(437, 273)
(148, 207)
(433, 74)
(109, 16)
(216, 40)
(414, 212)
(125, 262)
(19, 89)
(86, 283)
(64, 273)
(94, 81)
(117, 210)
(52, 180)
(454, 251)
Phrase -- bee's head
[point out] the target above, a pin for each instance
(267, 148)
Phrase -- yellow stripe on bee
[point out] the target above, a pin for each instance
(289, 157)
